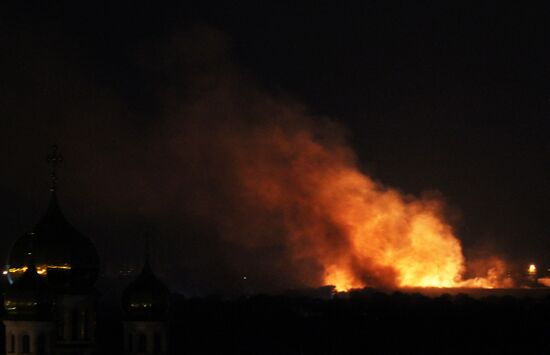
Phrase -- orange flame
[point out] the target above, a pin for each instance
(360, 232)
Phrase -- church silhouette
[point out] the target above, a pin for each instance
(51, 302)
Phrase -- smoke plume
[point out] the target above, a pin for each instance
(239, 182)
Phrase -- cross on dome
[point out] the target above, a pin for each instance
(54, 158)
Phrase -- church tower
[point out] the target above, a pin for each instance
(68, 263)
(145, 306)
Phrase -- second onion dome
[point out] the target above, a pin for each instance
(146, 298)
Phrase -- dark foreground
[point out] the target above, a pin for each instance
(365, 322)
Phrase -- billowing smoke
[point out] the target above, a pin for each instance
(238, 182)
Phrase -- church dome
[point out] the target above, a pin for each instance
(65, 257)
(29, 298)
(146, 298)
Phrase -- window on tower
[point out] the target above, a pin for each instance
(130, 342)
(12, 344)
(84, 325)
(41, 344)
(75, 324)
(60, 325)
(157, 343)
(142, 343)
(25, 344)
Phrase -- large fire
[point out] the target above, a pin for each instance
(286, 188)
(360, 232)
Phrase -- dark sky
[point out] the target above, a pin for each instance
(452, 97)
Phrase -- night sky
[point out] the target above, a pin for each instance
(441, 99)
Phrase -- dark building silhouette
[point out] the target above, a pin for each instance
(29, 319)
(68, 263)
(145, 305)
(50, 306)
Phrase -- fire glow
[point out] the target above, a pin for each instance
(359, 232)
(284, 187)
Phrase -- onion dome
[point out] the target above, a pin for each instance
(146, 298)
(65, 257)
(30, 297)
